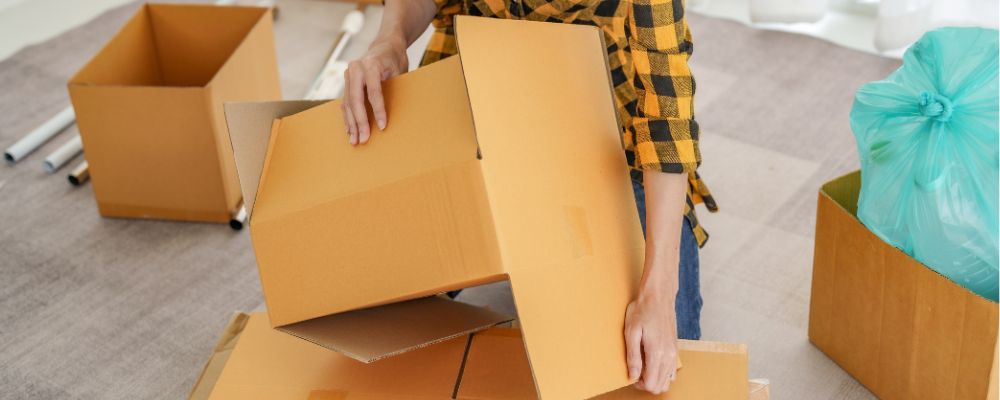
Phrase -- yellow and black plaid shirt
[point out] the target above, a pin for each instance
(648, 48)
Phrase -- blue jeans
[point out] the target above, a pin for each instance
(688, 303)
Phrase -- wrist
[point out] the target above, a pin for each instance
(660, 277)
(393, 38)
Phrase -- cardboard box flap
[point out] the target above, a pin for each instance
(250, 131)
(311, 161)
(546, 123)
(375, 333)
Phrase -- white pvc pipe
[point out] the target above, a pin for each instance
(225, 2)
(80, 174)
(63, 154)
(239, 219)
(326, 83)
(33, 140)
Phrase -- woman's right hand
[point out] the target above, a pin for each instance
(386, 58)
(402, 22)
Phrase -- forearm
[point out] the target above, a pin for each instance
(666, 194)
(404, 20)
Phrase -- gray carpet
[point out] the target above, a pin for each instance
(94, 308)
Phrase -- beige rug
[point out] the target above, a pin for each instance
(94, 308)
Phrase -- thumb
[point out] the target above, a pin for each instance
(633, 349)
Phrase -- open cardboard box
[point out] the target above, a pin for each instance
(253, 361)
(149, 109)
(901, 329)
(495, 165)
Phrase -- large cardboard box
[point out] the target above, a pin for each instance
(904, 331)
(504, 162)
(253, 361)
(149, 109)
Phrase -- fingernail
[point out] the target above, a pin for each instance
(381, 124)
(633, 373)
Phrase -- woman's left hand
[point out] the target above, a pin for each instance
(651, 342)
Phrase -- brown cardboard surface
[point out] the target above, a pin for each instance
(249, 124)
(375, 333)
(253, 361)
(574, 247)
(149, 108)
(267, 364)
(487, 170)
(901, 329)
(220, 356)
(417, 214)
(497, 368)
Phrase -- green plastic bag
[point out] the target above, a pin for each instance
(928, 140)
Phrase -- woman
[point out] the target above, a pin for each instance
(648, 47)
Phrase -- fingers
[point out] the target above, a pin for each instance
(669, 370)
(666, 377)
(349, 124)
(633, 349)
(355, 99)
(373, 81)
(352, 127)
(653, 359)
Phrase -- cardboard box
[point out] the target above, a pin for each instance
(904, 331)
(254, 361)
(496, 367)
(494, 166)
(149, 109)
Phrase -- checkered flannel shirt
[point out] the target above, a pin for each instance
(648, 48)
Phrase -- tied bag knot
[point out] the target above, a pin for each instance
(935, 106)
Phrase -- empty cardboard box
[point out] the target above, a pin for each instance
(253, 361)
(901, 329)
(149, 109)
(494, 165)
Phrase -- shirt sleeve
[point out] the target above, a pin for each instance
(442, 42)
(663, 127)
(447, 9)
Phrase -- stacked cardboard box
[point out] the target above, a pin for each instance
(149, 109)
(253, 361)
(904, 331)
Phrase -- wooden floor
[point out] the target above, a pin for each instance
(94, 308)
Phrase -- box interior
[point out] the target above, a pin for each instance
(375, 333)
(844, 191)
(171, 45)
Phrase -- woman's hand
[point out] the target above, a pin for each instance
(651, 320)
(402, 22)
(651, 342)
(363, 84)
